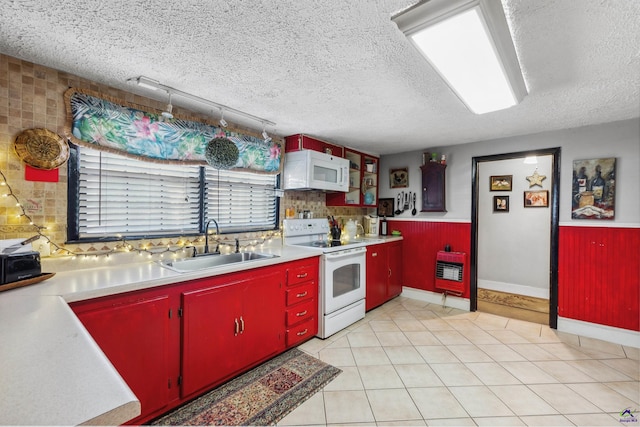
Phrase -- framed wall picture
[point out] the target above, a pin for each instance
(536, 199)
(501, 203)
(501, 182)
(385, 207)
(593, 189)
(399, 178)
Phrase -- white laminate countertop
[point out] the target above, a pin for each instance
(51, 370)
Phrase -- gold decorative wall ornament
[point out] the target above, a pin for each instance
(41, 148)
(536, 179)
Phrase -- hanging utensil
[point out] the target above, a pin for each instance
(406, 201)
(414, 211)
(398, 211)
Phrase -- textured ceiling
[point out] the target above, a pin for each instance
(338, 70)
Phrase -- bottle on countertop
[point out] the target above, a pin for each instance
(383, 226)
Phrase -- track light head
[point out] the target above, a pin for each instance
(168, 113)
(223, 122)
(265, 135)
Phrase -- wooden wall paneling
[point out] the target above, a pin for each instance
(599, 275)
(422, 241)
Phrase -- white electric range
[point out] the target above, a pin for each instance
(342, 273)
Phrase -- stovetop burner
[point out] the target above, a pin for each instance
(314, 233)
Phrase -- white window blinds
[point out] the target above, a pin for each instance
(240, 201)
(122, 196)
(119, 195)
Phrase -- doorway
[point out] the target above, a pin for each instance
(504, 206)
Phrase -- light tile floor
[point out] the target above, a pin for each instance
(412, 363)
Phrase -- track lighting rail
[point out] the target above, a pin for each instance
(155, 85)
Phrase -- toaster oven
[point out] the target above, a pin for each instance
(19, 266)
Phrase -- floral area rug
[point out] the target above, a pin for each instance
(262, 396)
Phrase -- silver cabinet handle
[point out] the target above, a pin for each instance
(302, 313)
(241, 324)
(301, 333)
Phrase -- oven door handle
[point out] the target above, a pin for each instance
(345, 254)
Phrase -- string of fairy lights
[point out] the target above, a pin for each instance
(123, 246)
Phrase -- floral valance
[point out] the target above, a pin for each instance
(108, 124)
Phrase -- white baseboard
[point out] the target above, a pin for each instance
(620, 336)
(436, 298)
(513, 288)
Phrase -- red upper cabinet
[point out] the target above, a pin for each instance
(363, 181)
(299, 142)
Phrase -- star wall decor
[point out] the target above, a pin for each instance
(536, 179)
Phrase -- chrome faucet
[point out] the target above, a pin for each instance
(206, 236)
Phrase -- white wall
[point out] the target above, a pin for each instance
(514, 246)
(617, 139)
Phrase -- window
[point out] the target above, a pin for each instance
(112, 195)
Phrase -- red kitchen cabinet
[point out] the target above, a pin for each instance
(384, 273)
(133, 331)
(363, 182)
(174, 342)
(301, 301)
(377, 271)
(394, 257)
(299, 142)
(233, 323)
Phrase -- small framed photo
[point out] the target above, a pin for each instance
(501, 182)
(385, 207)
(501, 203)
(399, 178)
(536, 199)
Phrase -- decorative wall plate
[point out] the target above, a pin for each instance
(41, 148)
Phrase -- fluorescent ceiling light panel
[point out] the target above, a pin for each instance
(469, 44)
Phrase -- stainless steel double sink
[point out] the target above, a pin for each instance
(211, 261)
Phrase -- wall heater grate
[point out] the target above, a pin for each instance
(450, 272)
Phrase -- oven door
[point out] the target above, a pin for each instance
(342, 278)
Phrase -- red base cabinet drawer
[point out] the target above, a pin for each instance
(301, 293)
(302, 332)
(301, 312)
(301, 299)
(303, 271)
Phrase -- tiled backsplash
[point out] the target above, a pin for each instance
(31, 96)
(314, 201)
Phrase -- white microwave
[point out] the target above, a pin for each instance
(312, 170)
